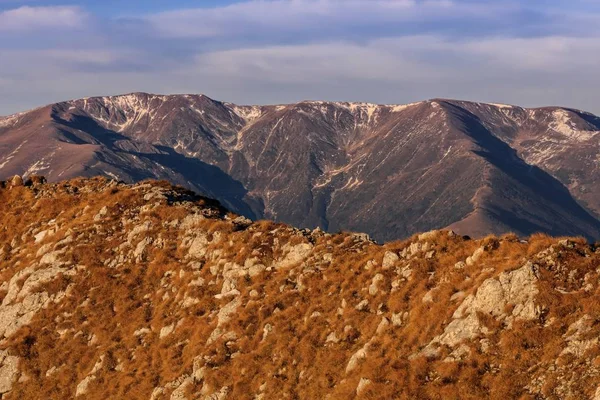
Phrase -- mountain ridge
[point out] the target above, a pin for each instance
(151, 291)
(338, 102)
(336, 165)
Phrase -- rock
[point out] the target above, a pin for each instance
(242, 221)
(101, 214)
(293, 255)
(461, 329)
(383, 325)
(22, 301)
(362, 386)
(82, 387)
(9, 369)
(361, 237)
(180, 393)
(166, 330)
(363, 305)
(140, 253)
(191, 221)
(156, 194)
(389, 259)
(405, 272)
(460, 265)
(566, 243)
(137, 230)
(52, 257)
(457, 296)
(253, 268)
(198, 246)
(332, 338)
(374, 287)
(141, 331)
(413, 249)
(42, 235)
(577, 341)
(356, 358)
(428, 235)
(15, 181)
(44, 249)
(516, 288)
(268, 328)
(223, 316)
(370, 265)
(399, 318)
(475, 257)
(428, 298)
(220, 395)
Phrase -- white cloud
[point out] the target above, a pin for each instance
(542, 54)
(407, 58)
(28, 18)
(316, 49)
(309, 16)
(315, 62)
(528, 72)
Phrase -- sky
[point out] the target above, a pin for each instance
(524, 52)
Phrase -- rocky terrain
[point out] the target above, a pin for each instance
(149, 291)
(389, 170)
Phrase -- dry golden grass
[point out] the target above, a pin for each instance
(108, 302)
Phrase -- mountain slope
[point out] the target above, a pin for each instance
(386, 170)
(149, 291)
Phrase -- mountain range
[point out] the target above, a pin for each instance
(388, 170)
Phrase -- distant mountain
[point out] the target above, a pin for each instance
(389, 170)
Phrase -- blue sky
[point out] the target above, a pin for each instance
(525, 52)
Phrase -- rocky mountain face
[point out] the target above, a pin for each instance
(390, 171)
(149, 291)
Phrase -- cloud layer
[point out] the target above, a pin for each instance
(26, 18)
(261, 51)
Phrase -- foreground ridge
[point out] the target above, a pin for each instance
(113, 290)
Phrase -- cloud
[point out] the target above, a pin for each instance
(544, 55)
(528, 72)
(398, 59)
(28, 18)
(310, 17)
(278, 51)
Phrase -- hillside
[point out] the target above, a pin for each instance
(388, 170)
(149, 291)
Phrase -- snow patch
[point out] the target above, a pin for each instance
(402, 107)
(352, 183)
(564, 125)
(10, 120)
(9, 157)
(41, 165)
(499, 105)
(113, 176)
(247, 113)
(36, 167)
